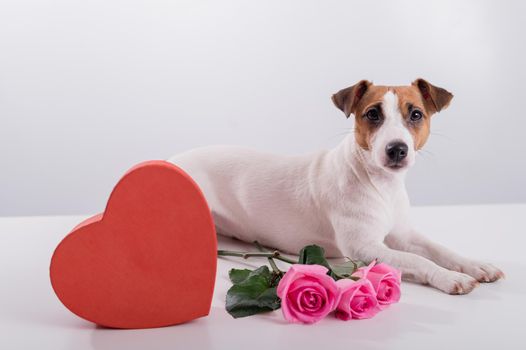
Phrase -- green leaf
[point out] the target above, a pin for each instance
(344, 270)
(238, 275)
(313, 255)
(252, 293)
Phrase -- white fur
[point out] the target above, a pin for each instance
(392, 129)
(341, 199)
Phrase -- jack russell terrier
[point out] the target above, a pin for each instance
(351, 200)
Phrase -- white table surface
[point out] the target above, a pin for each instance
(492, 316)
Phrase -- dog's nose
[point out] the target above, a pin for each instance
(396, 151)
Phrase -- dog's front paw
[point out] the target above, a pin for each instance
(481, 272)
(453, 282)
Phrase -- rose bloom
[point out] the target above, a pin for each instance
(307, 293)
(385, 280)
(357, 300)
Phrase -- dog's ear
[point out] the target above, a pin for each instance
(346, 99)
(435, 98)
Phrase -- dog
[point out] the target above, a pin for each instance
(351, 199)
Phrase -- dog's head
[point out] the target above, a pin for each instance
(392, 122)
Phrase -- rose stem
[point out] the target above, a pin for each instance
(271, 261)
(245, 255)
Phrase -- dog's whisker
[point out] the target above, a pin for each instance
(428, 152)
(346, 132)
(441, 135)
(424, 153)
(332, 137)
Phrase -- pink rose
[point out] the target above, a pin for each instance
(385, 280)
(357, 300)
(307, 293)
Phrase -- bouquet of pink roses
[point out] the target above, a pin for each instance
(312, 288)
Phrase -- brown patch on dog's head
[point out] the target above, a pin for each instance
(410, 101)
(423, 97)
(364, 98)
(357, 100)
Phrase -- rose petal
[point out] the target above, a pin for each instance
(307, 293)
(357, 300)
(386, 269)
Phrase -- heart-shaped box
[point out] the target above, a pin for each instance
(148, 261)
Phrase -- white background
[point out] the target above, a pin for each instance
(88, 88)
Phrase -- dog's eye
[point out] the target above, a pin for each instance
(416, 116)
(373, 115)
